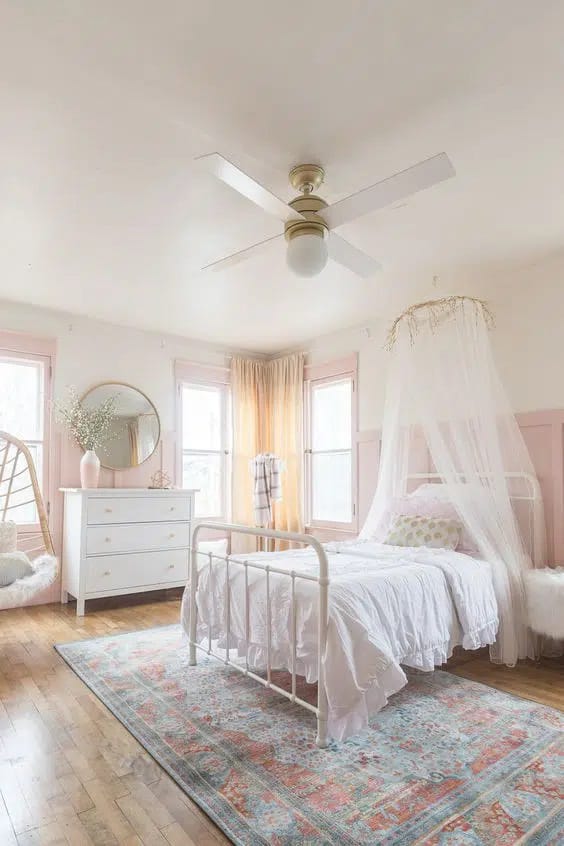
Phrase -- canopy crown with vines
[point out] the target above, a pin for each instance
(432, 313)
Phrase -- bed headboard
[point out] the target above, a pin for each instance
(527, 504)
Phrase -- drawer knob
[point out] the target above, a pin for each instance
(107, 540)
(171, 566)
(171, 535)
(107, 572)
(172, 507)
(108, 510)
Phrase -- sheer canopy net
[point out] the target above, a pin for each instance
(447, 420)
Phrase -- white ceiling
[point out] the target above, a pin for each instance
(105, 103)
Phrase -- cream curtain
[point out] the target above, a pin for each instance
(267, 417)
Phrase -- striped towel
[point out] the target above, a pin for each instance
(267, 489)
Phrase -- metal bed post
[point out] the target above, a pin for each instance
(322, 704)
(322, 580)
(193, 607)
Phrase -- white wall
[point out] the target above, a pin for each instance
(528, 343)
(529, 340)
(90, 351)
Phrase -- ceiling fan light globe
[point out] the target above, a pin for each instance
(307, 254)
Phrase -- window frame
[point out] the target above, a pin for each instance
(15, 346)
(314, 376)
(212, 378)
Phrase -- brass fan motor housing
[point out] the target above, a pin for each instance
(309, 206)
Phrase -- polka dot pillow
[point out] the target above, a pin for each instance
(437, 533)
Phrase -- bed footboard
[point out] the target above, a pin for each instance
(321, 579)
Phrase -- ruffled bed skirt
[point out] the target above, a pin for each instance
(345, 722)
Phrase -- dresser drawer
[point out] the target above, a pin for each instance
(104, 540)
(137, 509)
(119, 572)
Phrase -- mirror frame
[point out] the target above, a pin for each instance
(149, 400)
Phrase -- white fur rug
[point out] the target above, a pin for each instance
(545, 601)
(22, 590)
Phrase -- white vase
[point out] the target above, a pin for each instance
(89, 469)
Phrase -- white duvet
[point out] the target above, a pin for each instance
(387, 606)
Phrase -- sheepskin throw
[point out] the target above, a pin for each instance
(545, 601)
(8, 536)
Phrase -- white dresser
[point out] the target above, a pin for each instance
(124, 540)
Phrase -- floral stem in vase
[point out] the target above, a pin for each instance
(91, 428)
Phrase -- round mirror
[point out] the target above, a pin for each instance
(135, 430)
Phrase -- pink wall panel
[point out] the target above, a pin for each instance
(539, 443)
(543, 432)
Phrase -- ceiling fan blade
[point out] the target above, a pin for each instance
(241, 255)
(352, 258)
(233, 176)
(416, 178)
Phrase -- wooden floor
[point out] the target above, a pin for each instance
(71, 774)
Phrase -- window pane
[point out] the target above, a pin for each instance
(21, 398)
(331, 415)
(204, 472)
(332, 487)
(201, 417)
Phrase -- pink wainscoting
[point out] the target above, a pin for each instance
(543, 432)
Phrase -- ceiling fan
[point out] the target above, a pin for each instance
(309, 223)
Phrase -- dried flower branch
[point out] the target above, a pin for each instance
(433, 312)
(90, 427)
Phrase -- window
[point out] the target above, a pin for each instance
(24, 398)
(205, 445)
(329, 465)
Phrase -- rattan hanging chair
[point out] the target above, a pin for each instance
(21, 500)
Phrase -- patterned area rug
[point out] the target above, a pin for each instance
(447, 762)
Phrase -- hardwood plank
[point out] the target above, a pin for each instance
(141, 821)
(103, 795)
(45, 835)
(157, 810)
(176, 835)
(7, 833)
(74, 830)
(97, 828)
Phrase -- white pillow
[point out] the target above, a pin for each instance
(13, 566)
(8, 536)
(432, 532)
(216, 547)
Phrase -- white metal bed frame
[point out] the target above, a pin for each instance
(322, 580)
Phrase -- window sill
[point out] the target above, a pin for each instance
(326, 527)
